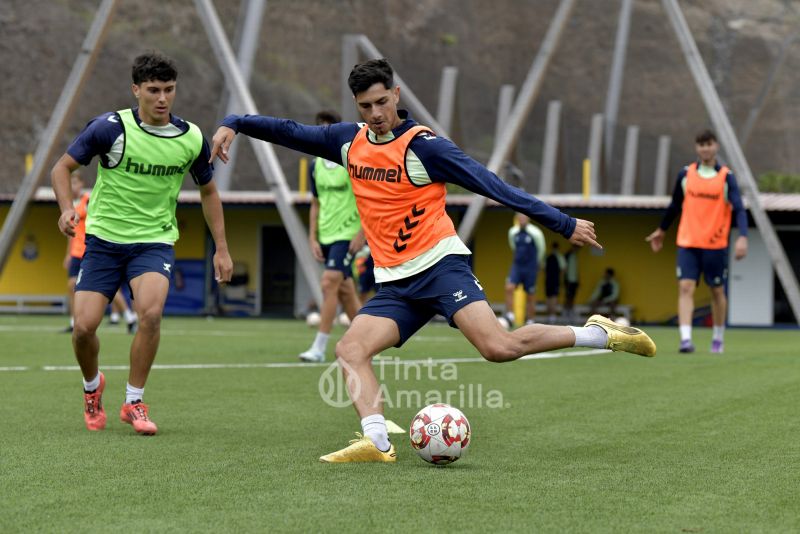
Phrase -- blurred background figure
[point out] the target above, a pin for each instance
(334, 235)
(571, 283)
(528, 244)
(606, 293)
(76, 246)
(553, 271)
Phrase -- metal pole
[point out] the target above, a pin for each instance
(527, 96)
(595, 153)
(252, 16)
(447, 98)
(631, 160)
(616, 78)
(728, 139)
(349, 59)
(550, 149)
(504, 103)
(55, 127)
(273, 173)
(423, 116)
(662, 165)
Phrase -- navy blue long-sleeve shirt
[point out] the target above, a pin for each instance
(442, 160)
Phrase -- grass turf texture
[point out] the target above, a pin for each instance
(611, 442)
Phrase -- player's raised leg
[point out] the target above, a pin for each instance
(366, 336)
(150, 293)
(476, 321)
(88, 311)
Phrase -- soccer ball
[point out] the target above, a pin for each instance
(504, 322)
(312, 319)
(622, 321)
(440, 434)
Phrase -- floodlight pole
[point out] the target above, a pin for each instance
(270, 167)
(552, 137)
(662, 165)
(728, 139)
(447, 98)
(631, 161)
(349, 60)
(55, 127)
(519, 114)
(615, 80)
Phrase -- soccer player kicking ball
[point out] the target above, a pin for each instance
(398, 171)
(131, 227)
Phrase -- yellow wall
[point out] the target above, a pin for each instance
(647, 280)
(44, 275)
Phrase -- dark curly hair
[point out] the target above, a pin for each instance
(365, 75)
(152, 66)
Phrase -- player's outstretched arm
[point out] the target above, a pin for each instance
(59, 176)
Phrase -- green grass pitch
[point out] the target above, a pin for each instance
(595, 443)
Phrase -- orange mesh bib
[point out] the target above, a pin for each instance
(706, 216)
(400, 220)
(78, 244)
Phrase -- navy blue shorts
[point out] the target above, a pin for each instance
(571, 290)
(74, 267)
(366, 278)
(411, 302)
(712, 263)
(105, 266)
(525, 275)
(338, 257)
(552, 286)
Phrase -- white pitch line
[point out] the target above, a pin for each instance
(291, 365)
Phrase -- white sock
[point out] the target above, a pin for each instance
(686, 332)
(321, 342)
(130, 317)
(719, 332)
(92, 384)
(133, 394)
(590, 336)
(114, 317)
(374, 427)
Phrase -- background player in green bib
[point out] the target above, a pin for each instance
(131, 227)
(334, 236)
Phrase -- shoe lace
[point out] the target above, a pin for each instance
(92, 401)
(139, 411)
(360, 437)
